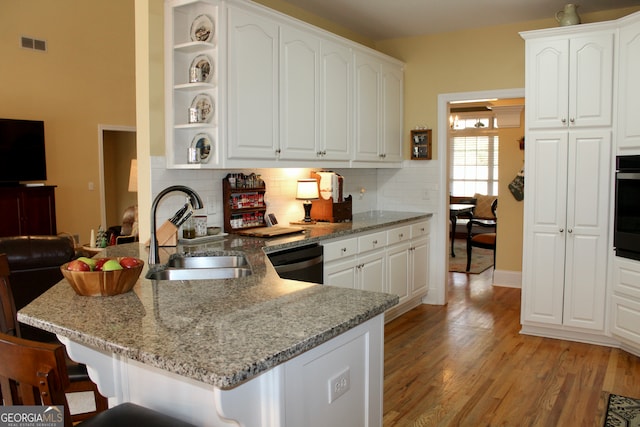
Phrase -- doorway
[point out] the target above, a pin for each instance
(117, 147)
(513, 220)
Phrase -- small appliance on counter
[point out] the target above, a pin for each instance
(332, 206)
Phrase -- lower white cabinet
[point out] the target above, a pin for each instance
(393, 260)
(625, 302)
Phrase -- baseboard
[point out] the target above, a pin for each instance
(569, 335)
(507, 279)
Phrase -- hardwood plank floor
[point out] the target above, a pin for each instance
(465, 364)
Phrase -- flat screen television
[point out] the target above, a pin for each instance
(22, 153)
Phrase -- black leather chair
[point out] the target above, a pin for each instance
(479, 239)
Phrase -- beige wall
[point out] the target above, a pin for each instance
(86, 78)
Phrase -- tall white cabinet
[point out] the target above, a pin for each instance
(568, 157)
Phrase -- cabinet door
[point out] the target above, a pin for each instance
(341, 273)
(547, 84)
(544, 227)
(371, 271)
(587, 225)
(299, 103)
(628, 133)
(9, 213)
(336, 100)
(398, 270)
(391, 108)
(252, 85)
(591, 80)
(419, 265)
(367, 101)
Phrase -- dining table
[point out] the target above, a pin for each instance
(456, 209)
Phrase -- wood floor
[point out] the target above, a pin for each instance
(465, 364)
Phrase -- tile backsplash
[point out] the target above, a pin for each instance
(406, 189)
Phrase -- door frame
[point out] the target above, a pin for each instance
(101, 130)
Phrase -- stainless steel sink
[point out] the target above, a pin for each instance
(203, 267)
(199, 273)
(214, 261)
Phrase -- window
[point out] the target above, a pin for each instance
(473, 154)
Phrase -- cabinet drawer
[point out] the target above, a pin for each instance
(372, 241)
(340, 249)
(420, 229)
(399, 234)
(626, 277)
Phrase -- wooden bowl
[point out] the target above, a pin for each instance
(102, 283)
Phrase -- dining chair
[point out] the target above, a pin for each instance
(479, 239)
(35, 373)
(78, 377)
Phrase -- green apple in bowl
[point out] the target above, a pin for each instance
(90, 262)
(111, 265)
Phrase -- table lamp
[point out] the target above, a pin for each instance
(307, 191)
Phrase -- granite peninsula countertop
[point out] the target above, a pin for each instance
(221, 332)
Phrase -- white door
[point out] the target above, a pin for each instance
(252, 85)
(398, 270)
(591, 80)
(299, 103)
(336, 101)
(545, 227)
(628, 134)
(367, 100)
(587, 225)
(371, 271)
(547, 83)
(341, 273)
(391, 108)
(420, 265)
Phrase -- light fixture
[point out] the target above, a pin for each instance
(133, 176)
(307, 191)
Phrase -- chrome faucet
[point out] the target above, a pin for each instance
(196, 202)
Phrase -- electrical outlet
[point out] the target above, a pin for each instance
(339, 385)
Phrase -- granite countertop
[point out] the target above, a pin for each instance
(221, 332)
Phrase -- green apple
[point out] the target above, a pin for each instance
(110, 265)
(90, 262)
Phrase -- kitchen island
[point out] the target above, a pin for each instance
(253, 351)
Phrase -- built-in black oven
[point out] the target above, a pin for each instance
(626, 237)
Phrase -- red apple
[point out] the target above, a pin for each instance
(77, 265)
(99, 263)
(129, 262)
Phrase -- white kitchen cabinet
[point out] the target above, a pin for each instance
(253, 93)
(185, 49)
(625, 316)
(378, 109)
(566, 229)
(394, 259)
(569, 79)
(628, 126)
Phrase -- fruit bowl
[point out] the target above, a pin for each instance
(103, 283)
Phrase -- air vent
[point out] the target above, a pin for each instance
(34, 44)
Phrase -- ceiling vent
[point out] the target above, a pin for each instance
(33, 44)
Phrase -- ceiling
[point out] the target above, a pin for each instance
(386, 19)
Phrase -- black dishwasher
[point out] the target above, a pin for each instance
(304, 263)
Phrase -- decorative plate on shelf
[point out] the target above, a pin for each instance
(202, 29)
(205, 65)
(205, 106)
(202, 142)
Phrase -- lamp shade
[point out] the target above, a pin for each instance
(133, 176)
(307, 189)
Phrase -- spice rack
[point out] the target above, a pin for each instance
(244, 205)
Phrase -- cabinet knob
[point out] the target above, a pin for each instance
(401, 235)
(278, 151)
(375, 242)
(562, 230)
(572, 120)
(564, 121)
(343, 250)
(570, 230)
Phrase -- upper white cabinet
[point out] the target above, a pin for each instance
(192, 84)
(378, 99)
(283, 93)
(628, 135)
(253, 75)
(569, 80)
